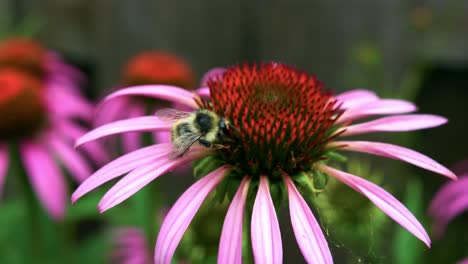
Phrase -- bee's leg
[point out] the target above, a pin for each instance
(220, 146)
(206, 143)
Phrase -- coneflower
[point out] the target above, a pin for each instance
(149, 67)
(284, 130)
(40, 105)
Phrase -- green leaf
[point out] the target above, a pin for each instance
(408, 249)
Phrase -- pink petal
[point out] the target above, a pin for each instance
(72, 132)
(452, 209)
(132, 140)
(396, 123)
(463, 261)
(355, 98)
(77, 166)
(140, 177)
(159, 91)
(211, 74)
(4, 161)
(380, 107)
(265, 231)
(144, 123)
(309, 235)
(121, 166)
(230, 244)
(111, 111)
(447, 193)
(398, 153)
(162, 137)
(75, 105)
(382, 199)
(182, 213)
(46, 178)
(203, 92)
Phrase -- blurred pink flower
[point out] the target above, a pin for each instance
(283, 129)
(451, 200)
(150, 67)
(131, 247)
(39, 104)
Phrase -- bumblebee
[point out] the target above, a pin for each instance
(202, 126)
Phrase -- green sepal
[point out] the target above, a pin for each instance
(205, 165)
(335, 156)
(279, 194)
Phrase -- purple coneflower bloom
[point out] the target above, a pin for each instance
(284, 130)
(39, 104)
(150, 67)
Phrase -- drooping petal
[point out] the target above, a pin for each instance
(77, 166)
(72, 132)
(230, 244)
(448, 193)
(144, 123)
(182, 213)
(382, 199)
(380, 107)
(46, 178)
(452, 209)
(132, 140)
(309, 235)
(75, 106)
(120, 166)
(111, 111)
(212, 73)
(265, 231)
(140, 177)
(159, 91)
(203, 92)
(398, 153)
(355, 98)
(396, 123)
(4, 160)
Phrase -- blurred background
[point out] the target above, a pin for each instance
(415, 50)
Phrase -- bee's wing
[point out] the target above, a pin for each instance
(170, 114)
(184, 142)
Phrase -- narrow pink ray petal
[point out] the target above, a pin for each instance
(355, 98)
(265, 231)
(144, 123)
(203, 92)
(55, 63)
(111, 111)
(382, 199)
(159, 91)
(380, 107)
(182, 213)
(140, 177)
(162, 137)
(70, 131)
(230, 244)
(4, 161)
(77, 166)
(132, 140)
(75, 106)
(121, 166)
(457, 205)
(463, 261)
(46, 178)
(447, 193)
(211, 74)
(395, 124)
(309, 235)
(397, 153)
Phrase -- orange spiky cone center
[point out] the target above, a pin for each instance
(282, 118)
